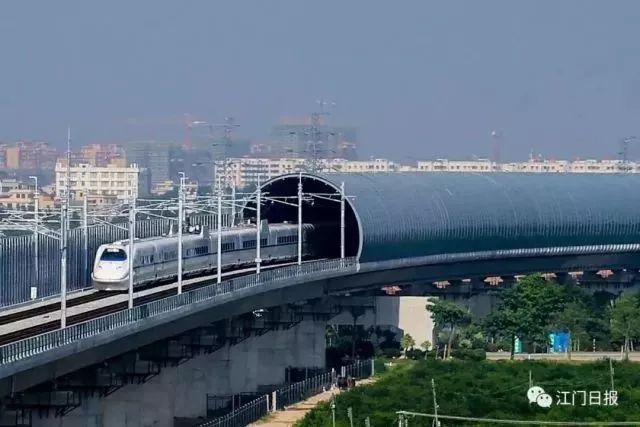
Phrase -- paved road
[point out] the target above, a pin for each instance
(582, 355)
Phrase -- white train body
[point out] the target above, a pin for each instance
(156, 259)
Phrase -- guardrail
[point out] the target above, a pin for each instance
(225, 290)
(289, 395)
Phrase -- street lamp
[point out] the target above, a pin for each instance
(36, 201)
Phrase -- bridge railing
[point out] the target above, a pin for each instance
(289, 395)
(225, 290)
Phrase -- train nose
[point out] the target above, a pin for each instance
(110, 270)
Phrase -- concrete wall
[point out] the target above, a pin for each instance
(406, 313)
(181, 391)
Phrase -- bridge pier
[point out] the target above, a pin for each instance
(244, 354)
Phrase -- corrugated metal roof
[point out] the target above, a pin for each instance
(417, 214)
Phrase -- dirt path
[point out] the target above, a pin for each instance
(297, 411)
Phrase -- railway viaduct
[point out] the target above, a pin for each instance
(416, 234)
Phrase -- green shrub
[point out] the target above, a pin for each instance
(391, 352)
(469, 354)
(415, 354)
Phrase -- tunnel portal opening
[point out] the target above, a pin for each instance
(323, 214)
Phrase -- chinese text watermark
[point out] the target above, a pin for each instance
(537, 395)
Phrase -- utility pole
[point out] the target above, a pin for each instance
(611, 374)
(436, 423)
(180, 226)
(333, 410)
(132, 236)
(36, 240)
(63, 266)
(85, 235)
(342, 242)
(258, 228)
(219, 233)
(233, 204)
(300, 218)
(64, 229)
(68, 185)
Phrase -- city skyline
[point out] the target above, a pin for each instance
(424, 80)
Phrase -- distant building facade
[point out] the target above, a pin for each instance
(114, 183)
(101, 155)
(29, 155)
(156, 156)
(300, 139)
(244, 172)
(24, 199)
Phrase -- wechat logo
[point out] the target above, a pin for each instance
(536, 394)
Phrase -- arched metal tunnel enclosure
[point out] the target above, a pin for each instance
(323, 213)
(391, 216)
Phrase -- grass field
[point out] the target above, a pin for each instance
(489, 389)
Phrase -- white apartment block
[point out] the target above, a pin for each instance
(242, 172)
(114, 183)
(444, 165)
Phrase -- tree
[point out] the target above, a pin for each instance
(450, 315)
(526, 310)
(572, 319)
(407, 343)
(625, 322)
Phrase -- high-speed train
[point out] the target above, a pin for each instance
(156, 258)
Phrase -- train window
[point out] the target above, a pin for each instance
(283, 240)
(248, 244)
(202, 250)
(263, 242)
(113, 255)
(226, 247)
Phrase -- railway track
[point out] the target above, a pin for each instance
(50, 308)
(98, 312)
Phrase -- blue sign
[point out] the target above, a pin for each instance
(559, 342)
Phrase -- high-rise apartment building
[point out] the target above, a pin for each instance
(29, 155)
(155, 156)
(101, 154)
(114, 183)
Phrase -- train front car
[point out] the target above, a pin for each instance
(111, 268)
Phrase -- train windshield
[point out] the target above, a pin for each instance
(111, 254)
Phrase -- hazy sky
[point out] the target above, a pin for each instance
(419, 78)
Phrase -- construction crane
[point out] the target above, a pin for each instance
(189, 124)
(624, 153)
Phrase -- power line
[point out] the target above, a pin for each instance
(405, 414)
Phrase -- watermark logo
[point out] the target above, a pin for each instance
(537, 395)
